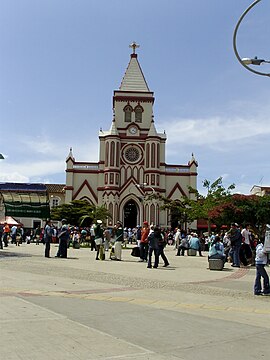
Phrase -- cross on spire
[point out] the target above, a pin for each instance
(134, 46)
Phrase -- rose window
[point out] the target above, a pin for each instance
(132, 154)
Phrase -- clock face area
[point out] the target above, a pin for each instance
(133, 130)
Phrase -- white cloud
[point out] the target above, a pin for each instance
(39, 159)
(215, 131)
(13, 177)
(23, 172)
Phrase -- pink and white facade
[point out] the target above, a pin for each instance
(131, 160)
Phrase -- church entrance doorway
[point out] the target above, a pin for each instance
(130, 214)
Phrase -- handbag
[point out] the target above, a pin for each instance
(135, 251)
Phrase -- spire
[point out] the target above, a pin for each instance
(193, 160)
(113, 129)
(70, 155)
(152, 130)
(133, 79)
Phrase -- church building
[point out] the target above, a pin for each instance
(131, 164)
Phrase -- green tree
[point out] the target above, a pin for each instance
(80, 212)
(202, 206)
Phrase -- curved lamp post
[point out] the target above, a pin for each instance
(247, 61)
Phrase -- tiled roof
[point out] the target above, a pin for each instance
(56, 188)
(133, 79)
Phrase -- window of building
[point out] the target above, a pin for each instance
(147, 155)
(128, 112)
(107, 154)
(112, 154)
(153, 155)
(138, 114)
(55, 202)
(111, 178)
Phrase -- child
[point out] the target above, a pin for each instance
(260, 262)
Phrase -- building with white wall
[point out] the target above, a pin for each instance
(131, 162)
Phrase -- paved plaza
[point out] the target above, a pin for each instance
(80, 308)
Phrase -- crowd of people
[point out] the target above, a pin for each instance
(239, 245)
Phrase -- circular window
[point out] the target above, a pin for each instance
(132, 154)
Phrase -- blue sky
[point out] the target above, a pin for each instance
(61, 60)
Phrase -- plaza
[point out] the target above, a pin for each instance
(79, 308)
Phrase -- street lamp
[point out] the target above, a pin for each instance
(248, 61)
(142, 186)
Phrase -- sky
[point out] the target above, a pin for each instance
(61, 60)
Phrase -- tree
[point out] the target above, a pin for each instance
(202, 206)
(80, 213)
(243, 209)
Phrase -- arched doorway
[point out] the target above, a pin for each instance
(130, 214)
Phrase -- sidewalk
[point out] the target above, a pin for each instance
(80, 308)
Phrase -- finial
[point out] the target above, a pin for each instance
(134, 46)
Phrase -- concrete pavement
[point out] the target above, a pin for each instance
(79, 308)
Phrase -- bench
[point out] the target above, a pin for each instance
(216, 264)
(192, 252)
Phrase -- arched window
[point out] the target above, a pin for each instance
(112, 154)
(147, 155)
(117, 154)
(107, 155)
(153, 155)
(152, 214)
(128, 111)
(111, 209)
(138, 113)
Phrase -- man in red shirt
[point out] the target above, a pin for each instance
(6, 234)
(144, 242)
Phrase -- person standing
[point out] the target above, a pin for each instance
(177, 238)
(236, 239)
(138, 235)
(6, 233)
(107, 239)
(1, 236)
(63, 237)
(48, 232)
(119, 238)
(260, 262)
(37, 234)
(153, 242)
(92, 238)
(98, 237)
(245, 250)
(161, 247)
(144, 241)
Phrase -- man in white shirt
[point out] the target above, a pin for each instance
(246, 234)
(245, 251)
(13, 233)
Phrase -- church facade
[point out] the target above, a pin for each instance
(131, 164)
